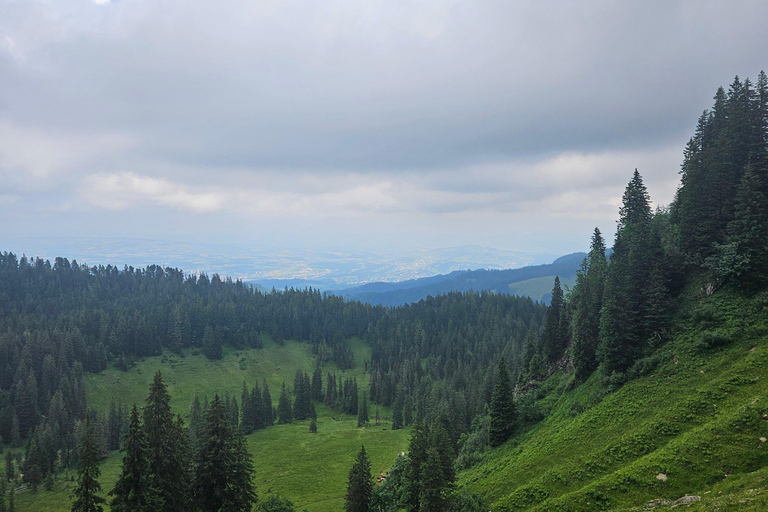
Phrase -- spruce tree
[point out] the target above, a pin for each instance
(586, 300)
(87, 493)
(133, 491)
(502, 408)
(555, 337)
(211, 344)
(3, 485)
(744, 255)
(267, 411)
(632, 284)
(317, 383)
(10, 473)
(284, 409)
(165, 450)
(417, 460)
(359, 485)
(362, 412)
(224, 471)
(313, 426)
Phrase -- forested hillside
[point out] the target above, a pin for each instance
(485, 381)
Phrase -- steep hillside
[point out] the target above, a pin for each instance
(534, 281)
(695, 422)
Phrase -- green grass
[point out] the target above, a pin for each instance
(696, 418)
(538, 287)
(309, 469)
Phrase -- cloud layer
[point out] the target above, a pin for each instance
(434, 122)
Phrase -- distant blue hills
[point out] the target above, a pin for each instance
(535, 281)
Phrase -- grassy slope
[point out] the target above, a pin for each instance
(309, 469)
(538, 287)
(696, 418)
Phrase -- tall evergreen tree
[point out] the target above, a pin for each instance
(417, 461)
(266, 404)
(362, 412)
(224, 471)
(554, 335)
(165, 451)
(744, 255)
(502, 408)
(317, 383)
(284, 409)
(133, 491)
(586, 300)
(212, 348)
(632, 284)
(87, 493)
(359, 485)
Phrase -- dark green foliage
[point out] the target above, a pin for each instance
(302, 406)
(586, 304)
(267, 411)
(397, 413)
(417, 460)
(744, 254)
(502, 410)
(212, 347)
(133, 491)
(87, 493)
(284, 409)
(313, 426)
(359, 485)
(633, 303)
(224, 471)
(276, 503)
(10, 473)
(362, 412)
(317, 383)
(555, 335)
(388, 494)
(166, 445)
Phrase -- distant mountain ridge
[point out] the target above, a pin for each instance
(499, 281)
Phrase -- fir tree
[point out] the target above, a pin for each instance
(359, 485)
(362, 412)
(397, 414)
(267, 411)
(211, 344)
(313, 426)
(87, 493)
(10, 473)
(133, 491)
(502, 408)
(284, 409)
(744, 255)
(555, 337)
(586, 300)
(165, 451)
(224, 471)
(417, 461)
(317, 383)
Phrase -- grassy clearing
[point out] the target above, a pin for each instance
(696, 418)
(309, 469)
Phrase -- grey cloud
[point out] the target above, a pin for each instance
(449, 115)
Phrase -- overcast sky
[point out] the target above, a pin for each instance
(509, 124)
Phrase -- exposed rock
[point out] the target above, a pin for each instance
(762, 439)
(662, 477)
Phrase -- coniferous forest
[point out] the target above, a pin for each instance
(467, 373)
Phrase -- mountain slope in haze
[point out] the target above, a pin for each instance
(534, 281)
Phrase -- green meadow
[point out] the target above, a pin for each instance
(309, 469)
